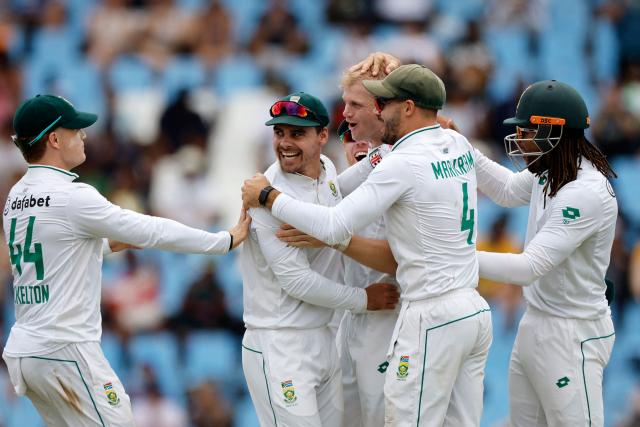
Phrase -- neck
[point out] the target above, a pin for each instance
(418, 124)
(56, 163)
(313, 170)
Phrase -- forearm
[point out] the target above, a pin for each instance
(373, 253)
(501, 185)
(316, 289)
(506, 268)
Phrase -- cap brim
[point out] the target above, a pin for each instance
(514, 121)
(292, 120)
(81, 121)
(377, 88)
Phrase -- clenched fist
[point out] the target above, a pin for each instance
(382, 296)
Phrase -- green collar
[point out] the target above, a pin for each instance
(53, 168)
(410, 134)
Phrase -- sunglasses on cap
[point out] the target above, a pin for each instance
(290, 108)
(346, 137)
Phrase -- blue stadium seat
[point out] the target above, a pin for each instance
(628, 170)
(606, 50)
(183, 72)
(228, 273)
(245, 413)
(23, 414)
(114, 352)
(213, 355)
(129, 72)
(177, 272)
(160, 352)
(237, 72)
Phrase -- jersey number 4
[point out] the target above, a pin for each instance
(18, 254)
(468, 215)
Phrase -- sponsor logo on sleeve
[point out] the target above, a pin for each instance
(333, 188)
(570, 214)
(375, 157)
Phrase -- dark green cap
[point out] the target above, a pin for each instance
(316, 112)
(412, 81)
(42, 113)
(550, 102)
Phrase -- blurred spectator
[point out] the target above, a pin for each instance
(633, 418)
(412, 44)
(358, 44)
(180, 189)
(133, 296)
(508, 296)
(205, 307)
(209, 408)
(113, 26)
(403, 10)
(618, 271)
(471, 61)
(181, 125)
(171, 28)
(615, 128)
(634, 273)
(215, 31)
(154, 410)
(350, 12)
(278, 37)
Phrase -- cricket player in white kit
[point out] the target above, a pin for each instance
(426, 190)
(566, 336)
(57, 231)
(289, 354)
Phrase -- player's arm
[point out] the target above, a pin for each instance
(291, 268)
(575, 217)
(92, 215)
(353, 176)
(389, 182)
(373, 253)
(506, 188)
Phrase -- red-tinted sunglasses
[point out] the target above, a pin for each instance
(290, 108)
(380, 102)
(346, 137)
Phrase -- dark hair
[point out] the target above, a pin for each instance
(565, 159)
(34, 152)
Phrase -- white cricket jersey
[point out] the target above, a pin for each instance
(55, 230)
(287, 287)
(568, 243)
(426, 189)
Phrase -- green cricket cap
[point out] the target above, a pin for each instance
(42, 113)
(317, 114)
(412, 81)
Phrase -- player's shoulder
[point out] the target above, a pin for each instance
(329, 167)
(590, 197)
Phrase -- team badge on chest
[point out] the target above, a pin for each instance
(403, 367)
(111, 394)
(333, 188)
(289, 392)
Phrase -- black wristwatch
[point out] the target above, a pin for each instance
(262, 198)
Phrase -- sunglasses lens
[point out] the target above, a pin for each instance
(289, 108)
(346, 137)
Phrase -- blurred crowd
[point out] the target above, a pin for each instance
(182, 89)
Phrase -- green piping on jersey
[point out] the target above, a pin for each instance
(266, 381)
(410, 134)
(584, 377)
(424, 359)
(81, 377)
(75, 175)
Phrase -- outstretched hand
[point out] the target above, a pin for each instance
(240, 231)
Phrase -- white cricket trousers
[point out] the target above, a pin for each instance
(363, 341)
(74, 386)
(293, 376)
(436, 371)
(555, 372)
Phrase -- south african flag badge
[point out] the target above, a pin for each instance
(112, 396)
(403, 367)
(289, 391)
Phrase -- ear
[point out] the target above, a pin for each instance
(54, 140)
(409, 108)
(323, 136)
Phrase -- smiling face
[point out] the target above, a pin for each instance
(360, 112)
(355, 151)
(298, 148)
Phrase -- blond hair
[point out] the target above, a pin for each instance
(350, 78)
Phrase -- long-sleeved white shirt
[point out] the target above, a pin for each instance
(55, 229)
(568, 243)
(288, 287)
(426, 189)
